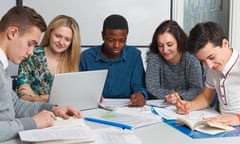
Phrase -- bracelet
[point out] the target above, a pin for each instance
(238, 115)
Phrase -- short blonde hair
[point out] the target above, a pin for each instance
(71, 57)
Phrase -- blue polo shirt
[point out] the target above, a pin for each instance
(126, 74)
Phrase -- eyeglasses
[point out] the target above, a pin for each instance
(222, 91)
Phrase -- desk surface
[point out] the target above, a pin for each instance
(162, 132)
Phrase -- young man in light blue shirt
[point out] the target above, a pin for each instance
(125, 68)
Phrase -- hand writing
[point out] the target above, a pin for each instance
(182, 106)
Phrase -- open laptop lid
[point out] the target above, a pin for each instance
(81, 90)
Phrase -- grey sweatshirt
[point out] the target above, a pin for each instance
(162, 77)
(15, 113)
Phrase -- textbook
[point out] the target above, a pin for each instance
(204, 126)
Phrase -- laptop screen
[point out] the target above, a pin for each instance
(81, 90)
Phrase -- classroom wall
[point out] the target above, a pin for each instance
(6, 5)
(143, 16)
(235, 24)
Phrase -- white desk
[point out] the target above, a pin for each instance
(156, 134)
(159, 133)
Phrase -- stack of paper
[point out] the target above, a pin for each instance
(75, 131)
(121, 120)
(63, 131)
(112, 135)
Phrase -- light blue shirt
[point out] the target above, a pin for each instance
(125, 74)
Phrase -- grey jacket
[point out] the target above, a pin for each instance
(15, 113)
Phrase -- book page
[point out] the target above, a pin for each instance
(169, 113)
(115, 103)
(190, 123)
(209, 130)
(204, 126)
(220, 126)
(60, 122)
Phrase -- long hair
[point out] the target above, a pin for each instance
(71, 57)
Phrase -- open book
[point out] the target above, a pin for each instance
(63, 131)
(204, 126)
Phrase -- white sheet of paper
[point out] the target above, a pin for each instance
(83, 133)
(169, 113)
(115, 103)
(112, 135)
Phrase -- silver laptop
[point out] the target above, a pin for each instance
(81, 90)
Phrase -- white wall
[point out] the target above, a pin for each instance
(6, 5)
(234, 29)
(143, 16)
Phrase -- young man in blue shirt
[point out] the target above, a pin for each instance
(125, 68)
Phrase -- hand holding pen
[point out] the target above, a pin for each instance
(182, 106)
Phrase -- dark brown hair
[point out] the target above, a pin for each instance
(173, 28)
(205, 32)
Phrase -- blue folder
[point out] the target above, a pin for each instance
(196, 134)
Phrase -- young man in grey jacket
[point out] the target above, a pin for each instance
(20, 30)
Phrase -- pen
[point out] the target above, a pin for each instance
(157, 106)
(154, 111)
(105, 107)
(163, 105)
(115, 124)
(159, 113)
